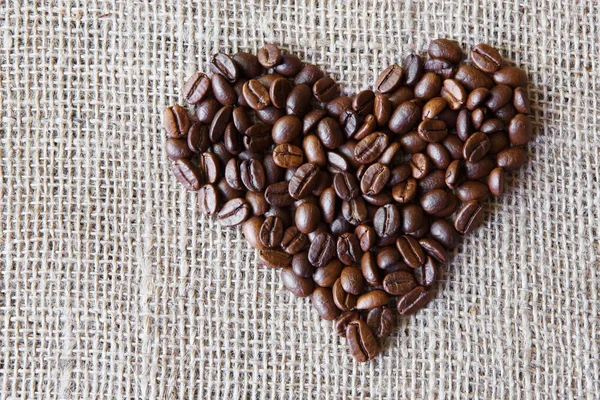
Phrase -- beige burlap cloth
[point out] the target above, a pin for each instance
(114, 286)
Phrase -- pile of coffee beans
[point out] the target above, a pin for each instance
(356, 200)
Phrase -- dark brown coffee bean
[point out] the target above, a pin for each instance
(277, 194)
(388, 257)
(469, 217)
(304, 181)
(472, 78)
(420, 165)
(196, 88)
(361, 341)
(433, 107)
(445, 49)
(486, 58)
(479, 169)
(398, 283)
(289, 65)
(271, 232)
(454, 93)
(226, 192)
(311, 120)
(223, 65)
(286, 129)
(177, 148)
(444, 232)
(439, 156)
(366, 236)
(219, 123)
(370, 148)
(472, 190)
(405, 191)
(428, 87)
(521, 100)
(427, 274)
(338, 105)
(176, 121)
(330, 133)
(223, 91)
(342, 299)
(389, 79)
(506, 113)
(274, 258)
(298, 286)
(256, 95)
(187, 174)
(269, 55)
(308, 75)
(374, 179)
(477, 97)
(412, 217)
(325, 89)
(512, 158)
(233, 140)
(398, 174)
(327, 203)
(287, 156)
(301, 266)
(435, 201)
(499, 96)
(381, 321)
(345, 185)
(382, 109)
(238, 88)
(252, 174)
(270, 115)
(323, 302)
(391, 155)
(476, 147)
(251, 228)
(298, 101)
(370, 270)
(234, 212)
(208, 200)
(348, 248)
(405, 118)
(208, 164)
(496, 181)
(372, 299)
(293, 241)
(492, 125)
(278, 92)
(411, 251)
(327, 275)
(313, 151)
(258, 204)
(343, 320)
(322, 250)
(413, 69)
(307, 217)
(511, 76)
(478, 117)
(363, 102)
(352, 280)
(368, 126)
(355, 211)
(386, 221)
(434, 249)
(336, 163)
(273, 172)
(379, 200)
(247, 64)
(412, 143)
(520, 130)
(339, 226)
(350, 122)
(206, 110)
(257, 138)
(432, 130)
(413, 301)
(240, 119)
(441, 67)
(454, 145)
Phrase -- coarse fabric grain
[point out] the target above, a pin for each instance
(114, 286)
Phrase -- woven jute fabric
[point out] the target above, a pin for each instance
(114, 286)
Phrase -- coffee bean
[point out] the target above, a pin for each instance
(469, 217)
(472, 78)
(273, 172)
(233, 140)
(520, 130)
(366, 236)
(405, 191)
(223, 91)
(345, 185)
(330, 133)
(445, 49)
(479, 169)
(438, 155)
(223, 65)
(286, 129)
(322, 250)
(432, 130)
(511, 76)
(374, 179)
(370, 270)
(454, 145)
(412, 217)
(325, 89)
(373, 299)
(208, 200)
(391, 155)
(270, 115)
(361, 342)
(472, 190)
(496, 181)
(177, 148)
(434, 249)
(234, 212)
(342, 322)
(336, 163)
(350, 122)
(298, 286)
(444, 232)
(269, 55)
(486, 58)
(187, 174)
(389, 79)
(449, 117)
(279, 91)
(410, 250)
(498, 97)
(348, 248)
(506, 113)
(340, 225)
(258, 204)
(238, 88)
(206, 110)
(388, 259)
(428, 87)
(355, 211)
(370, 148)
(381, 320)
(301, 266)
(251, 228)
(412, 143)
(413, 69)
(441, 67)
(196, 88)
(287, 156)
(311, 120)
(342, 299)
(226, 192)
(277, 194)
(420, 165)
(399, 283)
(304, 181)
(476, 147)
(427, 274)
(219, 123)
(433, 107)
(313, 150)
(435, 201)
(352, 280)
(271, 232)
(298, 100)
(398, 174)
(386, 221)
(512, 158)
(521, 101)
(323, 301)
(307, 217)
(363, 102)
(327, 275)
(405, 118)
(274, 258)
(454, 93)
(477, 97)
(382, 109)
(252, 174)
(293, 241)
(338, 105)
(176, 121)
(308, 75)
(257, 138)
(413, 301)
(247, 64)
(492, 125)
(256, 95)
(478, 117)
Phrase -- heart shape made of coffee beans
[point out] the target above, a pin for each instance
(357, 200)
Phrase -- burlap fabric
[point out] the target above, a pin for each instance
(114, 286)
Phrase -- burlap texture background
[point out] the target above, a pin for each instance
(114, 286)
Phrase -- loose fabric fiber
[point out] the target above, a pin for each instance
(114, 286)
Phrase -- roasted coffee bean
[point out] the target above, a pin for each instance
(370, 271)
(449, 117)
(248, 64)
(221, 64)
(433, 107)
(304, 181)
(405, 118)
(343, 320)
(389, 79)
(256, 95)
(381, 320)
(226, 192)
(477, 97)
(270, 115)
(486, 58)
(311, 120)
(327, 202)
(441, 67)
(363, 102)
(327, 275)
(349, 122)
(336, 164)
(330, 133)
(293, 241)
(206, 110)
(338, 105)
(391, 155)
(412, 143)
(287, 156)
(388, 257)
(289, 65)
(355, 211)
(208, 199)
(511, 76)
(454, 145)
(445, 49)
(520, 130)
(340, 225)
(413, 69)
(366, 236)
(274, 258)
(177, 148)
(427, 274)
(323, 302)
(345, 185)
(512, 158)
(252, 174)
(273, 172)
(373, 299)
(410, 250)
(405, 191)
(412, 217)
(348, 248)
(307, 217)
(472, 190)
(219, 123)
(374, 179)
(506, 113)
(413, 301)
(176, 121)
(472, 78)
(434, 249)
(187, 174)
(223, 91)
(325, 89)
(379, 200)
(432, 130)
(499, 96)
(479, 169)
(271, 232)
(238, 88)
(382, 109)
(469, 217)
(444, 232)
(476, 147)
(435, 201)
(521, 101)
(478, 117)
(257, 202)
(278, 92)
(452, 205)
(322, 250)
(386, 221)
(196, 88)
(399, 283)
(298, 101)
(438, 155)
(342, 299)
(269, 55)
(286, 129)
(313, 151)
(298, 286)
(496, 181)
(277, 194)
(399, 174)
(233, 140)
(308, 75)
(258, 138)
(251, 228)
(420, 165)
(234, 212)
(492, 125)
(352, 280)
(454, 93)
(301, 266)
(401, 95)
(361, 341)
(370, 148)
